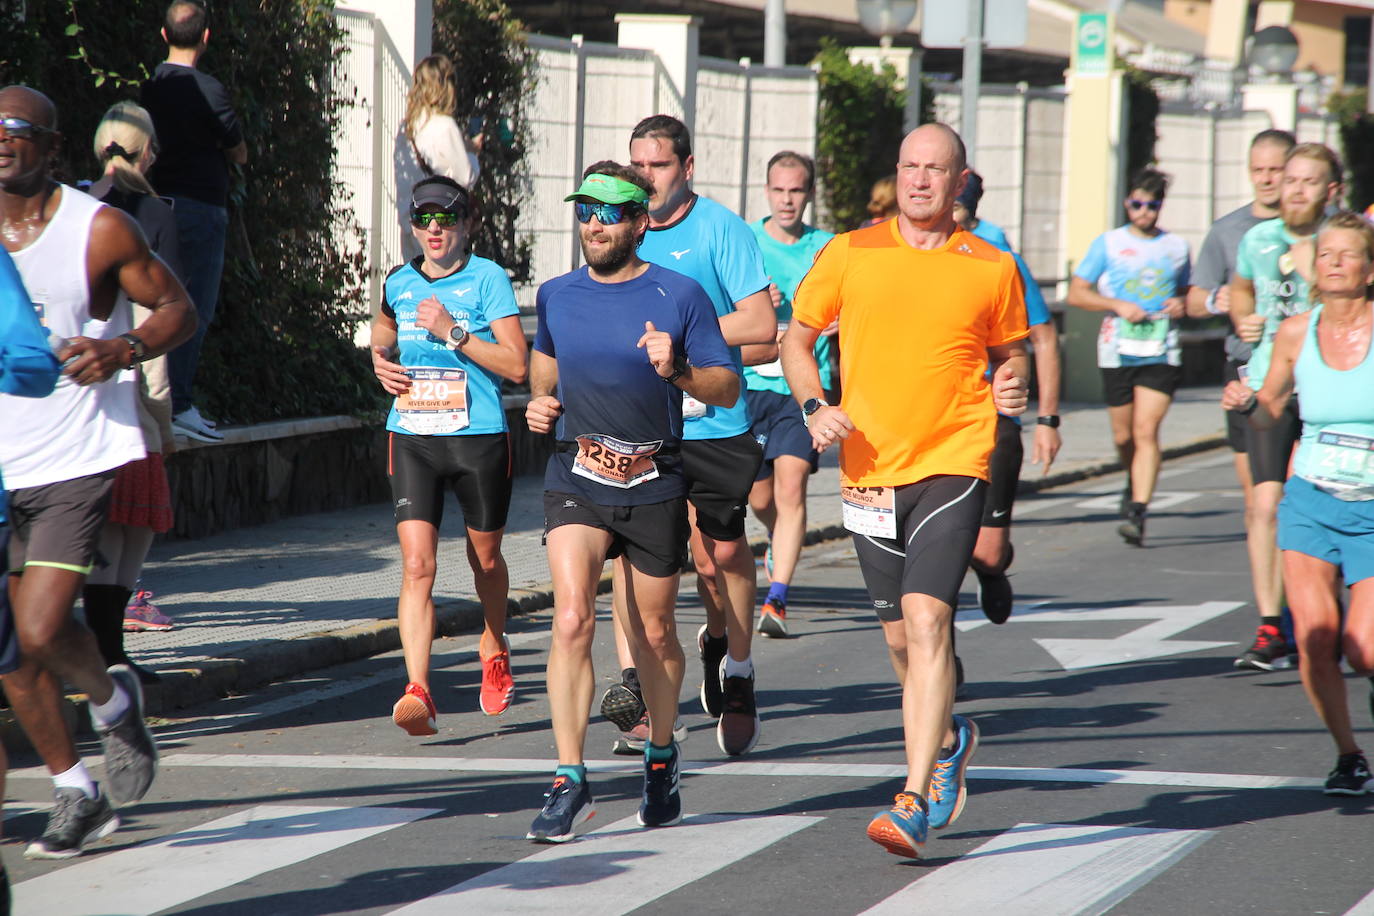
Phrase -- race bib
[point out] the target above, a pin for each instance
(691, 407)
(437, 402)
(1343, 465)
(614, 462)
(773, 369)
(1147, 338)
(870, 511)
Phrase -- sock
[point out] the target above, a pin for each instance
(630, 678)
(715, 643)
(739, 669)
(108, 713)
(76, 778)
(777, 591)
(577, 774)
(1275, 621)
(104, 606)
(1138, 508)
(655, 753)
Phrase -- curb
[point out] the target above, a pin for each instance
(263, 663)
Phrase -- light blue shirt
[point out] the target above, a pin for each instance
(1146, 272)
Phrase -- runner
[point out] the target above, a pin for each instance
(618, 342)
(1326, 518)
(1211, 295)
(60, 454)
(1139, 274)
(993, 553)
(917, 425)
(778, 497)
(1273, 267)
(448, 332)
(696, 236)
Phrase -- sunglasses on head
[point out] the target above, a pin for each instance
(1144, 204)
(446, 219)
(606, 214)
(21, 129)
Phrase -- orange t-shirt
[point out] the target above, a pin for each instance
(915, 327)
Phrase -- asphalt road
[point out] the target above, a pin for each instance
(1125, 766)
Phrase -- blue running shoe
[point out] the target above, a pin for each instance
(901, 831)
(662, 803)
(947, 791)
(569, 804)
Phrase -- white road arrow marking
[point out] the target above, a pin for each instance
(1150, 641)
(1164, 500)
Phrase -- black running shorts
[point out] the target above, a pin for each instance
(477, 468)
(9, 640)
(938, 520)
(1236, 424)
(720, 473)
(1004, 473)
(59, 524)
(1270, 449)
(1118, 385)
(653, 536)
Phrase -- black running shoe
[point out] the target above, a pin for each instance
(1350, 777)
(569, 803)
(1132, 530)
(662, 803)
(994, 595)
(712, 652)
(75, 821)
(1269, 651)
(738, 729)
(622, 707)
(130, 753)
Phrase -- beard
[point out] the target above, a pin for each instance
(613, 257)
(1301, 214)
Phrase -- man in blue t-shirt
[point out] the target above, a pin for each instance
(695, 236)
(618, 344)
(992, 554)
(778, 497)
(1138, 274)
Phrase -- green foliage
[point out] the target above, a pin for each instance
(1142, 112)
(858, 133)
(281, 344)
(1357, 142)
(496, 78)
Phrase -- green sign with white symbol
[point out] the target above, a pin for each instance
(1092, 45)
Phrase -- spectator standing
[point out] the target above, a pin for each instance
(434, 135)
(200, 136)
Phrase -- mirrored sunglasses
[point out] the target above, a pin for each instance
(445, 218)
(606, 214)
(21, 129)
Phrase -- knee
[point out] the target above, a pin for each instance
(41, 640)
(418, 568)
(927, 630)
(660, 637)
(734, 556)
(705, 566)
(573, 625)
(486, 564)
(1318, 646)
(1359, 656)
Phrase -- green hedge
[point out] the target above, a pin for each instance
(281, 344)
(1357, 142)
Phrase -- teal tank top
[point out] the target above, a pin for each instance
(1336, 452)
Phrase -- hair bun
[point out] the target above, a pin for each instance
(114, 149)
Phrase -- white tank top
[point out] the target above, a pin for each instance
(77, 430)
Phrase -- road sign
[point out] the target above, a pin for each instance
(945, 24)
(1092, 45)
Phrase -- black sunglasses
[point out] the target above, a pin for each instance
(606, 214)
(21, 129)
(446, 219)
(1144, 204)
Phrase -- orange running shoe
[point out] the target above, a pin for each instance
(415, 712)
(498, 687)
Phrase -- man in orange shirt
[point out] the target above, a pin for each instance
(924, 307)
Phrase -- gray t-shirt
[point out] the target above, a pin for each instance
(1216, 264)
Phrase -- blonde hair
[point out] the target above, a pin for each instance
(1354, 222)
(433, 91)
(124, 133)
(882, 201)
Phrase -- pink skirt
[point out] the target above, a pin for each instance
(140, 497)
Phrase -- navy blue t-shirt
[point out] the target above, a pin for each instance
(605, 382)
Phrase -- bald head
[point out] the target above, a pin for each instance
(29, 104)
(939, 140)
(931, 171)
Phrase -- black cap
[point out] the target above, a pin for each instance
(972, 193)
(448, 197)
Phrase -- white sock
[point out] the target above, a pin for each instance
(112, 710)
(738, 669)
(76, 778)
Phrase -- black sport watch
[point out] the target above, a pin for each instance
(138, 350)
(457, 336)
(1050, 419)
(810, 406)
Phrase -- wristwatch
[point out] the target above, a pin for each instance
(457, 336)
(679, 369)
(138, 350)
(1050, 419)
(810, 406)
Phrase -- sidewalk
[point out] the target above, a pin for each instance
(265, 603)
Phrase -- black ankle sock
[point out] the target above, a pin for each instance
(104, 605)
(630, 678)
(1274, 622)
(1138, 508)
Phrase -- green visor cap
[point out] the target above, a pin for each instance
(609, 190)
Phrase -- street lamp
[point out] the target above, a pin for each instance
(885, 18)
(1274, 51)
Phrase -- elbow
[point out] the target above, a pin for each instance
(729, 393)
(520, 373)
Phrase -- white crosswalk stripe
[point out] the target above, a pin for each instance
(1045, 870)
(191, 863)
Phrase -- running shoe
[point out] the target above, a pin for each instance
(569, 804)
(623, 707)
(662, 803)
(632, 742)
(1269, 651)
(994, 595)
(712, 652)
(1132, 530)
(191, 424)
(498, 687)
(738, 729)
(773, 619)
(1351, 776)
(142, 614)
(130, 753)
(947, 790)
(902, 830)
(75, 821)
(414, 712)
